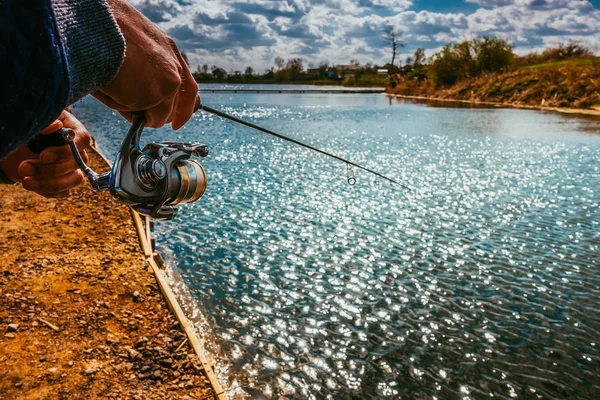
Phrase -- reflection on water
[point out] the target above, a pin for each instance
(482, 281)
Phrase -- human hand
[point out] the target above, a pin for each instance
(153, 78)
(54, 171)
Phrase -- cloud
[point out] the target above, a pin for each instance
(491, 3)
(238, 33)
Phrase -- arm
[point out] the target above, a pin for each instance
(52, 52)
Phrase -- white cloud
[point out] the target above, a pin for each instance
(237, 33)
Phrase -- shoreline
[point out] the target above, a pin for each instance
(565, 110)
(81, 311)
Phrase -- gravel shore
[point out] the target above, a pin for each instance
(81, 315)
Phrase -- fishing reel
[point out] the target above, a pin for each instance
(151, 180)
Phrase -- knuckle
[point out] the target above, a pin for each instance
(172, 44)
(173, 82)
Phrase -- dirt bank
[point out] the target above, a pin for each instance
(584, 111)
(571, 86)
(81, 315)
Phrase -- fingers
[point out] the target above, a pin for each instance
(41, 171)
(60, 154)
(110, 102)
(165, 90)
(56, 187)
(53, 127)
(187, 96)
(161, 114)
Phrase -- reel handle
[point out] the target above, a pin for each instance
(98, 182)
(40, 142)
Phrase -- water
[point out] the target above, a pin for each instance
(482, 281)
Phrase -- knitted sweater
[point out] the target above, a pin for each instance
(52, 53)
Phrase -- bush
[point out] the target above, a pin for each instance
(563, 51)
(470, 59)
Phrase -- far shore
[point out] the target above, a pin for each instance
(565, 110)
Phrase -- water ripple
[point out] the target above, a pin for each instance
(482, 281)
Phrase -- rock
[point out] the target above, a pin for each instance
(167, 362)
(10, 335)
(53, 370)
(12, 327)
(89, 371)
(111, 339)
(136, 295)
(70, 363)
(133, 354)
(157, 375)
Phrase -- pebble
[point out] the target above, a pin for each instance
(89, 371)
(136, 295)
(53, 370)
(111, 339)
(133, 354)
(13, 327)
(10, 335)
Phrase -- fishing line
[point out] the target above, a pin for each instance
(283, 137)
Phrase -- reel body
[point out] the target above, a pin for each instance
(151, 180)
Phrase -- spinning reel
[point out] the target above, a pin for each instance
(151, 180)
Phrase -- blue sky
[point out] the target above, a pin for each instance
(234, 34)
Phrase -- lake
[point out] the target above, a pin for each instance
(482, 280)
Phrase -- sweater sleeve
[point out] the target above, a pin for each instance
(92, 42)
(52, 53)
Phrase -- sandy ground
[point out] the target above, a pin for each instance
(81, 315)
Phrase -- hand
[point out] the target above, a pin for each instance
(153, 78)
(54, 171)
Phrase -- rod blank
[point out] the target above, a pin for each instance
(280, 136)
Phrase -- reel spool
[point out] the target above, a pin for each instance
(151, 180)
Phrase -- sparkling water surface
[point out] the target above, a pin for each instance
(483, 280)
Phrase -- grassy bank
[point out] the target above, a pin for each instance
(562, 84)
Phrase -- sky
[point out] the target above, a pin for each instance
(234, 34)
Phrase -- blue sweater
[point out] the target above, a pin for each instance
(52, 53)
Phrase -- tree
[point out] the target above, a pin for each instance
(470, 59)
(419, 57)
(392, 39)
(205, 69)
(279, 62)
(294, 67)
(249, 72)
(493, 54)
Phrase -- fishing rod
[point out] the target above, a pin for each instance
(351, 180)
(154, 179)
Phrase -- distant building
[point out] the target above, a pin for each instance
(219, 73)
(346, 71)
(382, 71)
